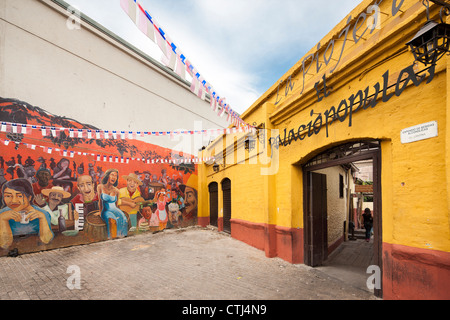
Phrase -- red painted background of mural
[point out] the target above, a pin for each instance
(71, 182)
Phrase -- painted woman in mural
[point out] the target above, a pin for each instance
(161, 200)
(116, 221)
(19, 217)
(62, 170)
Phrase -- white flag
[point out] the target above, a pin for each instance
(180, 70)
(145, 25)
(130, 7)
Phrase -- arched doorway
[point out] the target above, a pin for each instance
(213, 203)
(226, 191)
(317, 174)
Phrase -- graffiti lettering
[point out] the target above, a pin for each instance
(319, 91)
(371, 18)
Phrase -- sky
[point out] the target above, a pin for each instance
(241, 47)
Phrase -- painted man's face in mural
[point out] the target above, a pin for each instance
(132, 185)
(190, 199)
(43, 178)
(86, 187)
(16, 200)
(54, 199)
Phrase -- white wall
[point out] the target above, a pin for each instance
(337, 207)
(88, 76)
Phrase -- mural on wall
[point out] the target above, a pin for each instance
(59, 190)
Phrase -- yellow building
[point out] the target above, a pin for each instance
(360, 94)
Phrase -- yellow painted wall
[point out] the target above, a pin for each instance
(415, 176)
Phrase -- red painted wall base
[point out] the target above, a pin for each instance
(415, 274)
(285, 243)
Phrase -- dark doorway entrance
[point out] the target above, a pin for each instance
(213, 203)
(315, 199)
(226, 190)
(316, 248)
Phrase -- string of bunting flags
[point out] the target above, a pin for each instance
(10, 127)
(174, 58)
(109, 158)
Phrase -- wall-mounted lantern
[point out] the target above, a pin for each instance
(432, 41)
(249, 144)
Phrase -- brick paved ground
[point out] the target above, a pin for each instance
(189, 264)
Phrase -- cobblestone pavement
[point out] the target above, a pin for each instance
(185, 264)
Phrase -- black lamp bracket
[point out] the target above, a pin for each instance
(445, 10)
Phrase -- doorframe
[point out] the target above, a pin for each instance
(320, 217)
(226, 215)
(213, 219)
(375, 156)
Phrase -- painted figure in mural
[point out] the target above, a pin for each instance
(86, 187)
(161, 200)
(190, 198)
(43, 177)
(2, 177)
(87, 200)
(174, 213)
(62, 170)
(176, 197)
(58, 210)
(145, 186)
(43, 163)
(115, 219)
(163, 178)
(11, 167)
(19, 217)
(80, 169)
(148, 220)
(52, 164)
(91, 172)
(29, 162)
(130, 198)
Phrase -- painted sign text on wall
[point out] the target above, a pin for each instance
(356, 102)
(330, 53)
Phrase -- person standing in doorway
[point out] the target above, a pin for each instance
(368, 222)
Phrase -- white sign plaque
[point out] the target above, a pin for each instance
(419, 132)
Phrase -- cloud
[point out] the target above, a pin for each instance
(240, 47)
